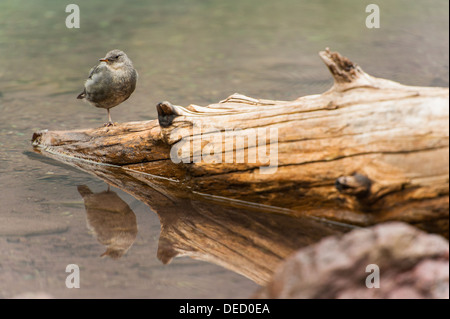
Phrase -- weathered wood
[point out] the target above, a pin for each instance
(366, 151)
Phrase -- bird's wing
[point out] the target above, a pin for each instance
(94, 70)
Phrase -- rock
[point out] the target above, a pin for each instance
(412, 264)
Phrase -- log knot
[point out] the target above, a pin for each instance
(356, 184)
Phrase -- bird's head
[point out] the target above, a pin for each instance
(116, 58)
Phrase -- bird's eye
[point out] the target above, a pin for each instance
(117, 56)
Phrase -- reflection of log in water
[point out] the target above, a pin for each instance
(111, 219)
(246, 241)
(245, 238)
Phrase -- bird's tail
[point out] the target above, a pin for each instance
(82, 95)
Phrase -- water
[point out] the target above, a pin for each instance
(185, 52)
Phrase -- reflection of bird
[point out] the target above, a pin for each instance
(111, 82)
(111, 219)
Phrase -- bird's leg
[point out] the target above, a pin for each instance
(110, 123)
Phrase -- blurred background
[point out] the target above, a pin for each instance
(186, 51)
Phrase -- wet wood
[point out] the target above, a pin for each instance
(366, 151)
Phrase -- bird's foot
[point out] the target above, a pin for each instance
(108, 124)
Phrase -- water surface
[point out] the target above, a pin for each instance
(185, 52)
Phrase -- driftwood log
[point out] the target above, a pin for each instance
(366, 151)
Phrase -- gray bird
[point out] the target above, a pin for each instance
(111, 82)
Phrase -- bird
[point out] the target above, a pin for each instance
(110, 82)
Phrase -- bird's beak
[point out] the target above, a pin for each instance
(103, 60)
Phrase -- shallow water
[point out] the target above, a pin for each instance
(185, 52)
